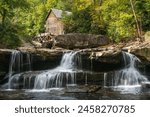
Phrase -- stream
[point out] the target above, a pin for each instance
(69, 81)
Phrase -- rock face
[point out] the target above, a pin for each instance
(4, 62)
(43, 58)
(143, 52)
(108, 59)
(100, 59)
(80, 41)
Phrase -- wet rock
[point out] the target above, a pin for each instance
(4, 62)
(94, 88)
(97, 58)
(76, 89)
(83, 89)
(43, 52)
(43, 58)
(146, 84)
(139, 49)
(100, 59)
(72, 41)
(109, 56)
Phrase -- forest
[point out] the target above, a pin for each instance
(118, 19)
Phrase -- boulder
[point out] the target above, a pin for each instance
(80, 41)
(102, 59)
(108, 56)
(146, 84)
(143, 52)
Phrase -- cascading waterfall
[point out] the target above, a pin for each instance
(19, 62)
(86, 79)
(129, 75)
(105, 78)
(63, 75)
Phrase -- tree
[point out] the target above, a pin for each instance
(86, 18)
(119, 19)
(117, 16)
(8, 26)
(35, 16)
(142, 8)
(136, 19)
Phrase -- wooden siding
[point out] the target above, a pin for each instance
(54, 25)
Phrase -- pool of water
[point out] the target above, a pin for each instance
(107, 93)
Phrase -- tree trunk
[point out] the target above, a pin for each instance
(136, 19)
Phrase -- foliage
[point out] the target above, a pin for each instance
(119, 19)
(84, 19)
(103, 17)
(143, 11)
(114, 18)
(21, 19)
(80, 24)
(9, 34)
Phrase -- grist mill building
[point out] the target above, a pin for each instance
(54, 25)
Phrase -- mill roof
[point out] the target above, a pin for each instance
(58, 13)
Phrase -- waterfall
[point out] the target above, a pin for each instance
(129, 75)
(105, 79)
(64, 74)
(18, 62)
(86, 79)
(61, 76)
(71, 60)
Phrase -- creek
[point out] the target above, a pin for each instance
(69, 80)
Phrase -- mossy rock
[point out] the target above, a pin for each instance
(147, 36)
